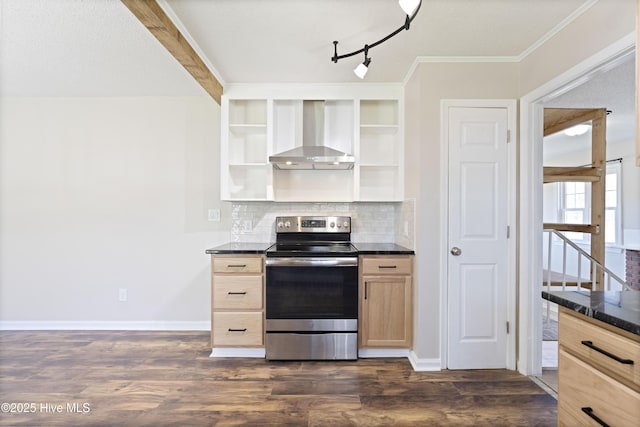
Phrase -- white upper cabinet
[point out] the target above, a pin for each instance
(366, 122)
(245, 169)
(381, 151)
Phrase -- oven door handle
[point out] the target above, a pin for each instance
(312, 262)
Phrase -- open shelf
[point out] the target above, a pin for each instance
(379, 112)
(247, 112)
(381, 151)
(246, 182)
(245, 136)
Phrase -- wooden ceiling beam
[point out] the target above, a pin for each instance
(151, 15)
(559, 119)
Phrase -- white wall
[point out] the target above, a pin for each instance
(99, 194)
(434, 82)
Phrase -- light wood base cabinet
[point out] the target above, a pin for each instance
(386, 314)
(597, 373)
(237, 301)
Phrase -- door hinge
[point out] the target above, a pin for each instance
(507, 327)
(508, 231)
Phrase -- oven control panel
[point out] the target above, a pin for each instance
(313, 224)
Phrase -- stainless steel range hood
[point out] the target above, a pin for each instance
(313, 154)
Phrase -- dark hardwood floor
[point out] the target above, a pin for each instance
(168, 379)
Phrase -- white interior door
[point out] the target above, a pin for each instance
(477, 236)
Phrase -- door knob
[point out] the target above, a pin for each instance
(456, 251)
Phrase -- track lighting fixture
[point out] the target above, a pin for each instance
(410, 7)
(361, 69)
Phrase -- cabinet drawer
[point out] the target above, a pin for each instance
(581, 386)
(237, 329)
(386, 265)
(583, 339)
(237, 264)
(237, 292)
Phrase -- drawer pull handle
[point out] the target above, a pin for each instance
(387, 266)
(236, 293)
(589, 411)
(236, 265)
(237, 330)
(606, 353)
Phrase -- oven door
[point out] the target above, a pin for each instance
(321, 289)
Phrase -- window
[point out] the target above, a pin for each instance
(575, 206)
(613, 202)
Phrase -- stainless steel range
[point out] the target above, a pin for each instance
(312, 290)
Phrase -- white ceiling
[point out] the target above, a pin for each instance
(74, 48)
(97, 47)
(292, 40)
(612, 88)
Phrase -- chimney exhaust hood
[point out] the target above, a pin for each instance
(313, 154)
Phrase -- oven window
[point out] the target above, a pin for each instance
(312, 292)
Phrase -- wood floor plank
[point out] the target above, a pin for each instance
(144, 378)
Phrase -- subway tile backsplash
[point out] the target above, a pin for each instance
(370, 222)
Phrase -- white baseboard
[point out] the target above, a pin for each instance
(417, 363)
(424, 364)
(238, 352)
(57, 325)
(365, 353)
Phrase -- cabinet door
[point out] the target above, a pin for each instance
(585, 393)
(386, 311)
(607, 351)
(237, 329)
(236, 292)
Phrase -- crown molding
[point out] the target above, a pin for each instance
(555, 30)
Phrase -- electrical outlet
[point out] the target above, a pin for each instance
(406, 228)
(213, 215)
(122, 294)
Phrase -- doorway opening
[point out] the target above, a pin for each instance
(598, 82)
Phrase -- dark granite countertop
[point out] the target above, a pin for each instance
(382, 249)
(261, 247)
(240, 248)
(616, 308)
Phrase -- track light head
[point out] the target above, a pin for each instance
(361, 69)
(409, 6)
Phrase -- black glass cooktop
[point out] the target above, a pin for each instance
(312, 249)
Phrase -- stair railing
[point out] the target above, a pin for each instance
(582, 254)
(591, 283)
(595, 266)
